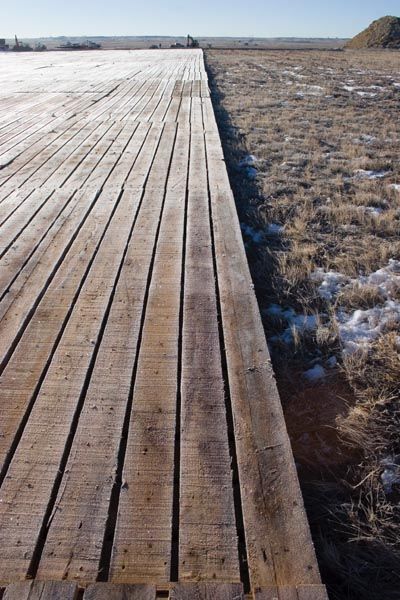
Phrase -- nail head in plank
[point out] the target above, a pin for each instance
(113, 591)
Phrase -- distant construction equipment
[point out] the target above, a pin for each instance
(21, 46)
(88, 45)
(191, 42)
(3, 46)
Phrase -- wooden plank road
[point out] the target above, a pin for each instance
(143, 449)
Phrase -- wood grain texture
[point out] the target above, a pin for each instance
(130, 338)
(142, 547)
(312, 592)
(39, 590)
(208, 540)
(279, 545)
(207, 591)
(114, 591)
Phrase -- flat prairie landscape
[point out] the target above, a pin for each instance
(312, 143)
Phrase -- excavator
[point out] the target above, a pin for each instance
(21, 47)
(191, 42)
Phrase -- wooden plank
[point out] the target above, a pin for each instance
(17, 305)
(312, 592)
(75, 538)
(286, 593)
(115, 591)
(62, 202)
(206, 591)
(36, 462)
(142, 545)
(40, 462)
(208, 547)
(20, 219)
(279, 544)
(302, 592)
(40, 590)
(270, 593)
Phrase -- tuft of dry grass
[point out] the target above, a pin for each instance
(324, 130)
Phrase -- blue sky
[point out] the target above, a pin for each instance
(257, 18)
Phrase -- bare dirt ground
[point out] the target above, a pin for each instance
(312, 142)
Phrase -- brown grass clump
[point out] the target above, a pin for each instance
(320, 193)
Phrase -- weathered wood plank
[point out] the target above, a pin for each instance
(208, 547)
(39, 590)
(206, 591)
(279, 544)
(39, 462)
(115, 591)
(75, 538)
(312, 592)
(142, 546)
(108, 362)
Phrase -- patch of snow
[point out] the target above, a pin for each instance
(274, 229)
(349, 88)
(251, 172)
(294, 321)
(361, 327)
(331, 363)
(255, 236)
(368, 139)
(364, 326)
(391, 473)
(374, 211)
(395, 186)
(293, 74)
(311, 90)
(367, 94)
(365, 174)
(248, 161)
(315, 374)
(331, 283)
(397, 85)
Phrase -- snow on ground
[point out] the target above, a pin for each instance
(365, 138)
(368, 174)
(315, 373)
(391, 474)
(366, 94)
(247, 164)
(395, 186)
(374, 211)
(293, 321)
(330, 283)
(248, 161)
(274, 229)
(255, 235)
(359, 328)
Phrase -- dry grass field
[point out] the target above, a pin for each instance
(312, 142)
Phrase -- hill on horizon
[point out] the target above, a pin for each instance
(382, 33)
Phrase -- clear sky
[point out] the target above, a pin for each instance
(256, 18)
